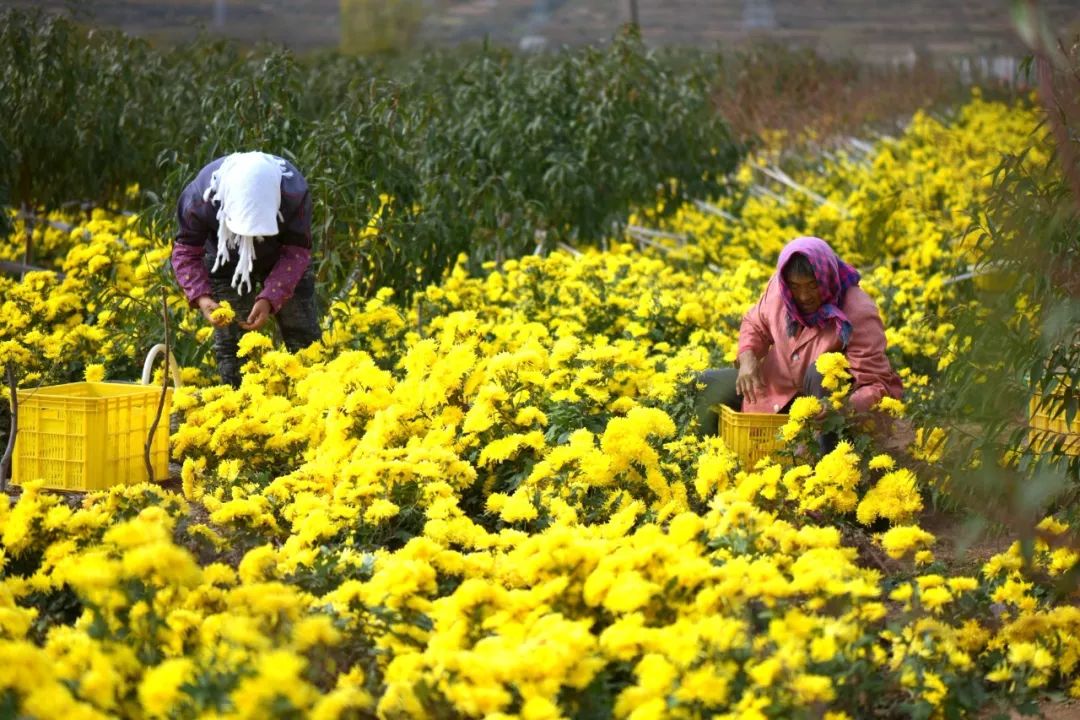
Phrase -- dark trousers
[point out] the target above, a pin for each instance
(298, 322)
(719, 389)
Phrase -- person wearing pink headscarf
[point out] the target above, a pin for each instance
(812, 305)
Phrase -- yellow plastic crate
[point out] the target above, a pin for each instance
(751, 436)
(1048, 426)
(90, 435)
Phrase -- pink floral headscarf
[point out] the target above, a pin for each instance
(834, 277)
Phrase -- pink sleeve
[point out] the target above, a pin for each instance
(871, 373)
(191, 274)
(754, 333)
(281, 282)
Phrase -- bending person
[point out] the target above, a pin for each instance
(812, 305)
(246, 219)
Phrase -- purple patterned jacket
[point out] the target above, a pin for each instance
(280, 260)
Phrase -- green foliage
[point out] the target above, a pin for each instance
(410, 164)
(1025, 341)
(1024, 330)
(75, 126)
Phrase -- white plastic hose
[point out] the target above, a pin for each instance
(148, 366)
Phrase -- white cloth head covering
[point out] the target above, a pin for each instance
(247, 190)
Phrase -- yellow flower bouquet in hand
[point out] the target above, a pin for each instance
(223, 313)
(833, 367)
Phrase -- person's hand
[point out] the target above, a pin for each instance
(207, 305)
(260, 313)
(748, 383)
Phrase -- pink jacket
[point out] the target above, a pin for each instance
(788, 358)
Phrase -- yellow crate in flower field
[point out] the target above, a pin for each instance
(90, 435)
(751, 436)
(1047, 426)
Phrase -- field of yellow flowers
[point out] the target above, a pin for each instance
(493, 502)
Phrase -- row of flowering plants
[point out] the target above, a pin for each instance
(494, 501)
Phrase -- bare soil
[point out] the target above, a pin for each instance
(1050, 708)
(963, 544)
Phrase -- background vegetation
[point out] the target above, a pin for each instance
(480, 151)
(475, 150)
(495, 155)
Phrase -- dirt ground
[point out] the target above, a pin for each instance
(1049, 709)
(962, 544)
